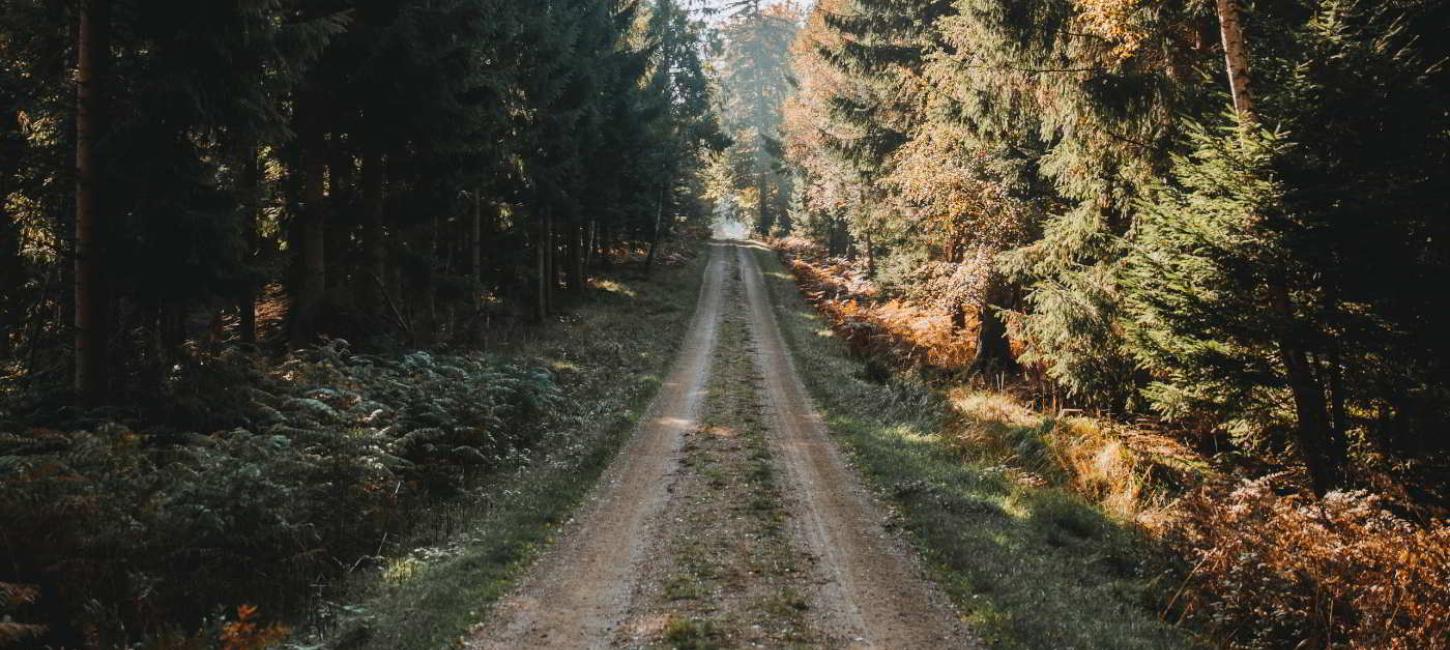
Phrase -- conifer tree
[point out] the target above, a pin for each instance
(754, 77)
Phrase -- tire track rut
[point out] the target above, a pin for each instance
(579, 591)
(873, 586)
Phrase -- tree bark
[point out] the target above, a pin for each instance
(870, 255)
(601, 241)
(1314, 436)
(654, 242)
(250, 182)
(574, 256)
(551, 268)
(374, 195)
(589, 244)
(341, 185)
(541, 269)
(311, 285)
(426, 332)
(762, 211)
(1236, 57)
(475, 266)
(994, 351)
(92, 298)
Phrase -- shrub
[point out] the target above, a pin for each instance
(1271, 566)
(133, 531)
(1273, 569)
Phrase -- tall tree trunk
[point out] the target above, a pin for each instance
(590, 241)
(426, 332)
(574, 256)
(870, 255)
(374, 194)
(551, 268)
(602, 241)
(1236, 57)
(541, 269)
(1314, 436)
(994, 352)
(250, 182)
(658, 234)
(475, 266)
(92, 299)
(762, 211)
(310, 286)
(342, 185)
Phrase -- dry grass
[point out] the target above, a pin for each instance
(1264, 564)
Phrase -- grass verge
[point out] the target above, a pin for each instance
(1028, 566)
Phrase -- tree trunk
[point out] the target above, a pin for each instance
(475, 266)
(92, 300)
(311, 285)
(1314, 436)
(959, 316)
(551, 268)
(374, 195)
(654, 241)
(426, 333)
(574, 256)
(589, 244)
(870, 255)
(1236, 57)
(602, 240)
(994, 351)
(541, 270)
(341, 184)
(762, 211)
(250, 181)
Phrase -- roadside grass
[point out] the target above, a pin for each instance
(1027, 566)
(610, 353)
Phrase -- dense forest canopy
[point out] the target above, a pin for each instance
(1249, 240)
(256, 255)
(200, 200)
(386, 168)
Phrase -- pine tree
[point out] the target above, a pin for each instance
(754, 77)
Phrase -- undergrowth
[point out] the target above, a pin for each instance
(1029, 566)
(1248, 559)
(318, 480)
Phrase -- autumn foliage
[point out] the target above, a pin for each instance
(1344, 571)
(1260, 563)
(905, 329)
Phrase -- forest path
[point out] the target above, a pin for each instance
(579, 590)
(731, 520)
(873, 588)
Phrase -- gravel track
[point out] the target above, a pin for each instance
(595, 587)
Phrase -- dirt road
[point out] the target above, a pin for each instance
(579, 590)
(874, 589)
(731, 519)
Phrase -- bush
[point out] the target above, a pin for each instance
(131, 531)
(1271, 566)
(1276, 570)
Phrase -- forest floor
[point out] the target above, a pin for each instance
(730, 519)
